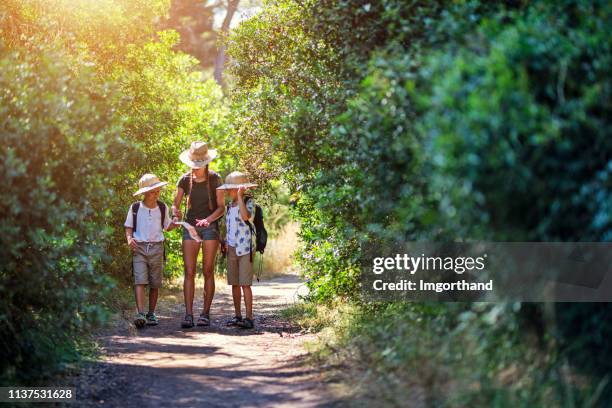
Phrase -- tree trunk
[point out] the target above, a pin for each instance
(232, 6)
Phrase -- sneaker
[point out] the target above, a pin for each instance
(140, 320)
(234, 321)
(187, 322)
(152, 319)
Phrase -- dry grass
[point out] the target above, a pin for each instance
(278, 258)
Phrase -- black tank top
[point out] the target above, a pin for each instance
(199, 208)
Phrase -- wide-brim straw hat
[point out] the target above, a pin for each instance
(198, 155)
(236, 179)
(149, 182)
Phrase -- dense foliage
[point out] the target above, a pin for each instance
(388, 120)
(60, 146)
(92, 98)
(440, 120)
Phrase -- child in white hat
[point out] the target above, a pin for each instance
(238, 219)
(144, 230)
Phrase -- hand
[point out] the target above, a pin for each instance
(132, 244)
(202, 223)
(241, 191)
(176, 213)
(175, 219)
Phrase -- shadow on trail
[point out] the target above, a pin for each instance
(233, 385)
(213, 366)
(207, 387)
(161, 347)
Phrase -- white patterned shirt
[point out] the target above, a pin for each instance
(238, 232)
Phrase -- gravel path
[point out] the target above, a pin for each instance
(166, 366)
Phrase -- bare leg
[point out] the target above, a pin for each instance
(191, 249)
(139, 290)
(236, 297)
(153, 295)
(208, 265)
(248, 301)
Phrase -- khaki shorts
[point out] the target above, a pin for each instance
(239, 268)
(148, 263)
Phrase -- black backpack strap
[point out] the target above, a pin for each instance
(135, 208)
(260, 267)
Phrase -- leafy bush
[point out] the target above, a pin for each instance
(92, 98)
(441, 120)
(61, 147)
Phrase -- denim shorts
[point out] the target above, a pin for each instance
(207, 234)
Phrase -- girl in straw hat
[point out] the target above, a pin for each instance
(204, 206)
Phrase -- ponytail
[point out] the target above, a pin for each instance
(190, 188)
(210, 191)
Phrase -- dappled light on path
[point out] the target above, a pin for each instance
(211, 366)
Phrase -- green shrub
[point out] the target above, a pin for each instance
(441, 121)
(92, 98)
(61, 148)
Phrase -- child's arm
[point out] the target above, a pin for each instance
(129, 230)
(244, 212)
(170, 225)
(129, 236)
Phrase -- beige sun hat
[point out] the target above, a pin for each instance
(198, 155)
(149, 182)
(236, 179)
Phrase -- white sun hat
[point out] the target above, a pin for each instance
(236, 179)
(198, 155)
(149, 182)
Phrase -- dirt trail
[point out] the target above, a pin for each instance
(212, 366)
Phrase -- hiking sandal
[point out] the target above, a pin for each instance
(204, 320)
(152, 319)
(187, 322)
(140, 320)
(234, 321)
(247, 323)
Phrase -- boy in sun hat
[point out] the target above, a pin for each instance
(238, 220)
(144, 230)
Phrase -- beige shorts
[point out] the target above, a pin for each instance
(148, 262)
(239, 268)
